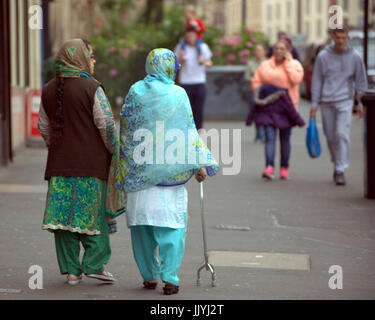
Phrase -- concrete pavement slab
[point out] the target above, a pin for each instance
(262, 260)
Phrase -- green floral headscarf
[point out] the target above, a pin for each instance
(73, 59)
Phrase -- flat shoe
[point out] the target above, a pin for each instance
(150, 285)
(169, 290)
(107, 278)
(74, 282)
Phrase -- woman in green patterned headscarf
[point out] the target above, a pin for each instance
(77, 125)
(74, 59)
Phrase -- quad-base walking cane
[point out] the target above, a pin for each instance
(206, 264)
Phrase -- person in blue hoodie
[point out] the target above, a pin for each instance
(339, 77)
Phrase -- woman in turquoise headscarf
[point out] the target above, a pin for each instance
(154, 172)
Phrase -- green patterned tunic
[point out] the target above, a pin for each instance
(74, 204)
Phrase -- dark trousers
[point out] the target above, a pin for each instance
(197, 97)
(271, 134)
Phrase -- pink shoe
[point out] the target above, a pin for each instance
(268, 173)
(284, 173)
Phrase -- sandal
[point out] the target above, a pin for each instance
(74, 282)
(170, 289)
(150, 285)
(105, 276)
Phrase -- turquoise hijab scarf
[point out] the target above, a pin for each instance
(162, 109)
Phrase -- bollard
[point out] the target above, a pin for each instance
(369, 103)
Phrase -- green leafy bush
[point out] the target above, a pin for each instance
(121, 54)
(121, 50)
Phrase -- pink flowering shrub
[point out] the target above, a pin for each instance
(111, 49)
(237, 49)
(121, 49)
(113, 73)
(113, 56)
(125, 52)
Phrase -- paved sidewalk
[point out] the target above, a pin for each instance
(307, 216)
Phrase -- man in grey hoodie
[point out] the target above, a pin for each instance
(339, 77)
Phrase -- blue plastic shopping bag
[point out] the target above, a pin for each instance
(312, 140)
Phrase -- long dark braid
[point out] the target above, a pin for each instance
(87, 43)
(58, 120)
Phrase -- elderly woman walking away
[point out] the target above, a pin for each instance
(77, 125)
(154, 172)
(286, 73)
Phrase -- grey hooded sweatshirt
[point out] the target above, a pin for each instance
(338, 76)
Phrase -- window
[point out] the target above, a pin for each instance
(307, 28)
(269, 12)
(289, 9)
(346, 5)
(278, 11)
(362, 4)
(318, 28)
(361, 21)
(319, 6)
(307, 7)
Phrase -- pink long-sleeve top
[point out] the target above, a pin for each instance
(287, 75)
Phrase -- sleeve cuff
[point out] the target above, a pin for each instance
(210, 171)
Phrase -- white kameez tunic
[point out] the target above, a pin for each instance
(158, 206)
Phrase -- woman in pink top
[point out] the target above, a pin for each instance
(283, 71)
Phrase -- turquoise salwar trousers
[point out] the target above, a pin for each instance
(171, 243)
